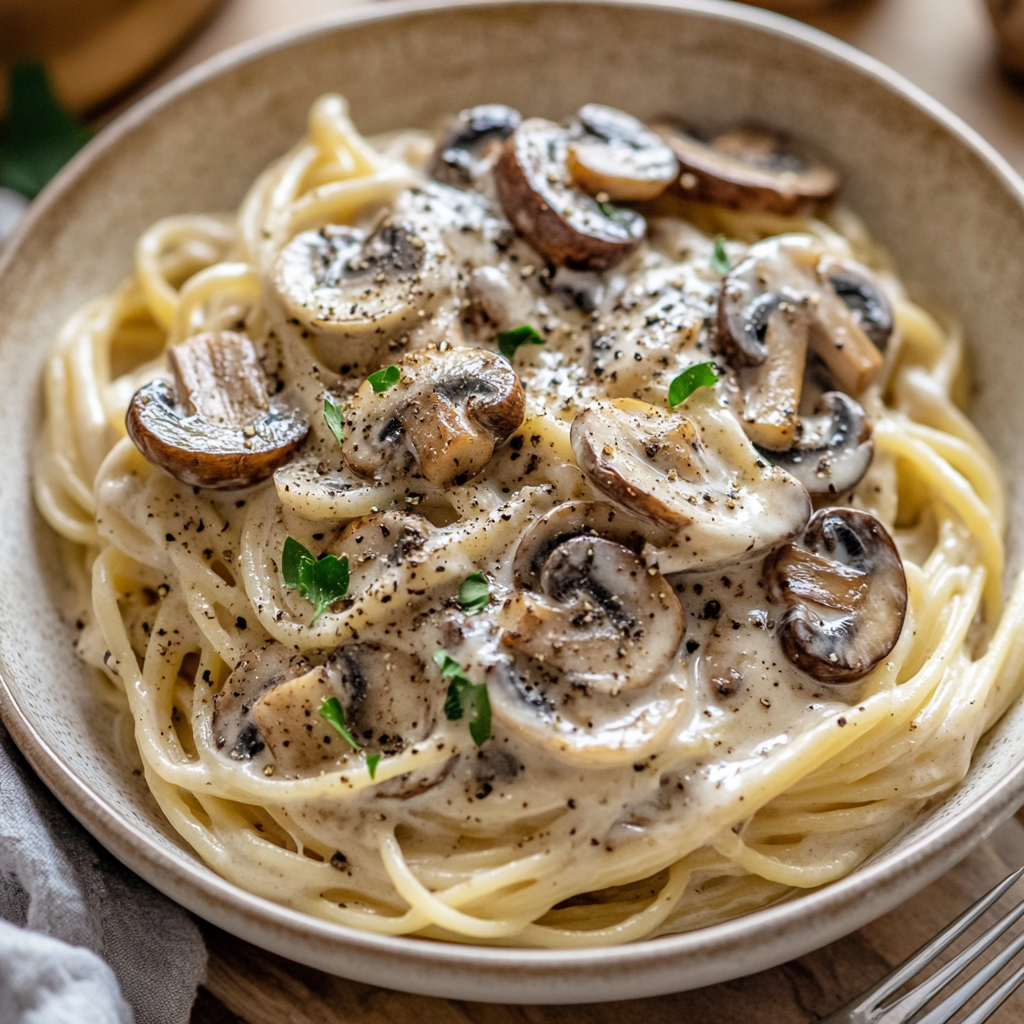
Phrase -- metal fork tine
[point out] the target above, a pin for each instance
(900, 975)
(994, 1001)
(904, 1008)
(945, 1010)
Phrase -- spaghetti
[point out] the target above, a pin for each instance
(566, 708)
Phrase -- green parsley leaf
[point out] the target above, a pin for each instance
(509, 341)
(700, 375)
(41, 135)
(719, 257)
(332, 413)
(465, 698)
(372, 760)
(320, 581)
(479, 706)
(331, 709)
(474, 594)
(615, 213)
(381, 380)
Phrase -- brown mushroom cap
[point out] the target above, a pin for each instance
(862, 296)
(572, 519)
(357, 294)
(445, 415)
(749, 170)
(268, 710)
(846, 592)
(218, 427)
(374, 543)
(469, 140)
(566, 226)
(613, 153)
(793, 271)
(696, 476)
(600, 621)
(834, 448)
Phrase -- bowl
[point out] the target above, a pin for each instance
(947, 207)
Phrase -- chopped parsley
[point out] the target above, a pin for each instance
(331, 709)
(615, 214)
(474, 594)
(719, 257)
(381, 380)
(332, 413)
(321, 581)
(509, 341)
(700, 375)
(372, 760)
(465, 698)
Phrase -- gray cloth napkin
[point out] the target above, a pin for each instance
(82, 939)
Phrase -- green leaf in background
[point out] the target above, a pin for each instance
(700, 375)
(40, 135)
(509, 341)
(372, 761)
(474, 594)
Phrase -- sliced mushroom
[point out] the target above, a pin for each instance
(614, 154)
(447, 413)
(749, 170)
(572, 519)
(218, 428)
(696, 476)
(469, 141)
(793, 269)
(834, 448)
(288, 720)
(375, 543)
(357, 294)
(847, 595)
(566, 226)
(771, 392)
(388, 702)
(235, 731)
(269, 708)
(866, 301)
(600, 620)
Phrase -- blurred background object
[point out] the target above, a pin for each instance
(1008, 18)
(800, 8)
(93, 49)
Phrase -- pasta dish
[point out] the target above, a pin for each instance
(537, 533)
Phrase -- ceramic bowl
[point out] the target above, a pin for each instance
(947, 207)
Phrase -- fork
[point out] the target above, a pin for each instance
(871, 1007)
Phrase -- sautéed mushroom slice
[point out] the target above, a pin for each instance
(443, 417)
(217, 426)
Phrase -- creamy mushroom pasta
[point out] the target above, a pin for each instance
(548, 533)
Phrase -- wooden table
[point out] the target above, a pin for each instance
(944, 46)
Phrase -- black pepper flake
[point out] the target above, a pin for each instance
(712, 610)
(240, 623)
(691, 646)
(840, 722)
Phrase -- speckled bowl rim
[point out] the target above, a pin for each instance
(673, 963)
